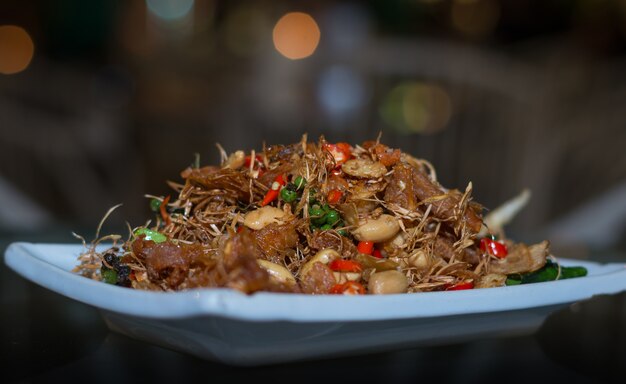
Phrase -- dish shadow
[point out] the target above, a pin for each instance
(588, 337)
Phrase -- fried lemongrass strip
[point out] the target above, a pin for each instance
(460, 225)
(435, 248)
(91, 260)
(496, 219)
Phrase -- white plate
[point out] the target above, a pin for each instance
(266, 328)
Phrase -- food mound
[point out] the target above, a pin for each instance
(317, 218)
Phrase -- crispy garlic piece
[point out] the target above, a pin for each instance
(259, 218)
(364, 168)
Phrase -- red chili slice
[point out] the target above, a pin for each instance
(272, 194)
(340, 265)
(461, 286)
(366, 247)
(334, 196)
(248, 159)
(348, 288)
(163, 210)
(341, 152)
(493, 247)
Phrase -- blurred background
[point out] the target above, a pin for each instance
(102, 101)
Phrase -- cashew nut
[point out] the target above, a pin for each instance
(383, 228)
(388, 282)
(277, 272)
(364, 168)
(324, 256)
(261, 217)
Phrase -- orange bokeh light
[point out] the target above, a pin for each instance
(16, 49)
(296, 35)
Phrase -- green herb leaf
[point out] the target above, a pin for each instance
(155, 236)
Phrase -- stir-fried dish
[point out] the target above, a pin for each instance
(320, 218)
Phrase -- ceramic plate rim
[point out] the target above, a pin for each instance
(42, 263)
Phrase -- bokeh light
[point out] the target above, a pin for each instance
(475, 18)
(417, 108)
(296, 35)
(341, 91)
(170, 10)
(16, 49)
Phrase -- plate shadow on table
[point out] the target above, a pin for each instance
(41, 330)
(589, 337)
(66, 352)
(50, 338)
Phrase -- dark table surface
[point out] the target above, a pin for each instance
(47, 337)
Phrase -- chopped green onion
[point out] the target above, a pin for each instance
(109, 275)
(300, 182)
(155, 204)
(288, 195)
(332, 217)
(316, 211)
(312, 194)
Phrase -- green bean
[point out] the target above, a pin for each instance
(549, 272)
(571, 272)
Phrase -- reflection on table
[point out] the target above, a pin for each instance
(49, 338)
